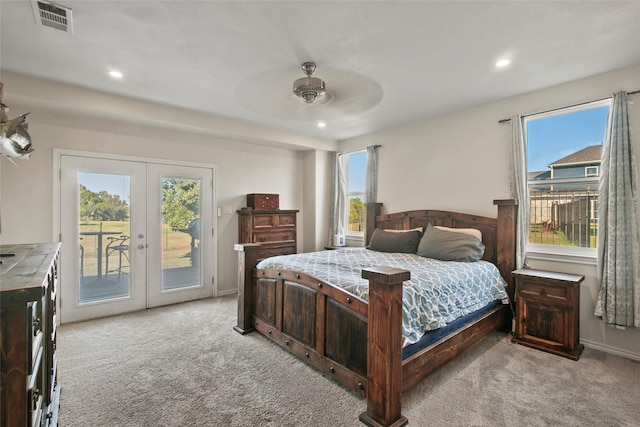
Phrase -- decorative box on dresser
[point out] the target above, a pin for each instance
(29, 390)
(548, 311)
(274, 229)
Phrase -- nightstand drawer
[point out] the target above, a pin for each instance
(550, 293)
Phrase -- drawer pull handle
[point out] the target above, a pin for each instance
(543, 293)
(348, 300)
(36, 396)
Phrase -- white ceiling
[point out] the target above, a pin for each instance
(385, 62)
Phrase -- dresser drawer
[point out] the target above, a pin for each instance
(274, 235)
(34, 330)
(286, 220)
(275, 251)
(35, 396)
(532, 288)
(264, 220)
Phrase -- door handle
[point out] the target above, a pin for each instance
(141, 246)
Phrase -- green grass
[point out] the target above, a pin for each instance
(176, 246)
(556, 238)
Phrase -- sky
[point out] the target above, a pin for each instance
(356, 170)
(554, 137)
(113, 184)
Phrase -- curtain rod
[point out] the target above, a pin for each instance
(503, 121)
(360, 149)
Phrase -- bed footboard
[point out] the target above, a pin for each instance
(384, 347)
(331, 329)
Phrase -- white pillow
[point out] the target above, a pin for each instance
(470, 231)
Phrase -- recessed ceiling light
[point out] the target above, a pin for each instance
(322, 124)
(503, 63)
(115, 74)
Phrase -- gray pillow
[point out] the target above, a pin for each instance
(449, 245)
(387, 241)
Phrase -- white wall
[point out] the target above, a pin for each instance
(460, 162)
(317, 199)
(26, 190)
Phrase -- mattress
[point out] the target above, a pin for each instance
(438, 293)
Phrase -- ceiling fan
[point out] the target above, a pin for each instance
(309, 88)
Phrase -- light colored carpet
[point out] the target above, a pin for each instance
(183, 365)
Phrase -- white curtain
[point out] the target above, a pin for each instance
(519, 189)
(338, 218)
(618, 223)
(371, 178)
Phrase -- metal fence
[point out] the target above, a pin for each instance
(563, 217)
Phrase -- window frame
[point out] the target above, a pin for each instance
(545, 252)
(349, 194)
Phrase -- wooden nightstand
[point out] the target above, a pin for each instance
(548, 311)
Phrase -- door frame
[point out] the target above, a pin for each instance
(57, 188)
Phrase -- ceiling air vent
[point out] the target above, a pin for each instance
(53, 15)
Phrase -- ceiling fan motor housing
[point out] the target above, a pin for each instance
(309, 88)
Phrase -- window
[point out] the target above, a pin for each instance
(591, 171)
(355, 172)
(564, 150)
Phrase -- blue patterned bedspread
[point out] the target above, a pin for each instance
(438, 293)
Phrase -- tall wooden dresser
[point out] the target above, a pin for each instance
(29, 390)
(274, 229)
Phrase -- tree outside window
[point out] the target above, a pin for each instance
(356, 170)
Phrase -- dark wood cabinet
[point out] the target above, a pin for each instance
(548, 311)
(29, 390)
(275, 230)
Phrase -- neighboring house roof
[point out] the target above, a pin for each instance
(539, 175)
(591, 154)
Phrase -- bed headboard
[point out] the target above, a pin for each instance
(498, 234)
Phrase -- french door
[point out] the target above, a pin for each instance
(134, 234)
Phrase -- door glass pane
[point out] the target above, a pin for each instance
(104, 230)
(181, 198)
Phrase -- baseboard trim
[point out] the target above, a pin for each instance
(611, 350)
(227, 292)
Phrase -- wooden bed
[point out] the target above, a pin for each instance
(329, 328)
